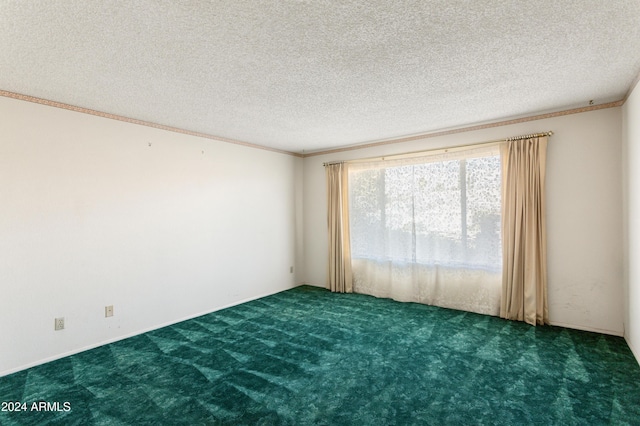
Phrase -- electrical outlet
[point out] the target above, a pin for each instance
(59, 324)
(108, 311)
(291, 269)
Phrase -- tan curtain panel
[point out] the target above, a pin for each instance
(524, 273)
(339, 279)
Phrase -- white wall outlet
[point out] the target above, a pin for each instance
(108, 311)
(59, 324)
(291, 269)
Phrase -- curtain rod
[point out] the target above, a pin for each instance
(457, 147)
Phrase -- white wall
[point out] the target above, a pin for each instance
(584, 212)
(92, 216)
(631, 159)
(161, 225)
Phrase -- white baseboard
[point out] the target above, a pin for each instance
(126, 336)
(116, 339)
(587, 328)
(635, 353)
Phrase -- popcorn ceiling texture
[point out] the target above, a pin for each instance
(312, 75)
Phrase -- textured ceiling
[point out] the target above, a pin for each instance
(311, 75)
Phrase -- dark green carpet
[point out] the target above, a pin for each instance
(307, 356)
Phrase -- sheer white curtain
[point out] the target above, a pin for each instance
(427, 229)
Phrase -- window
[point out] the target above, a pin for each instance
(443, 212)
(434, 216)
